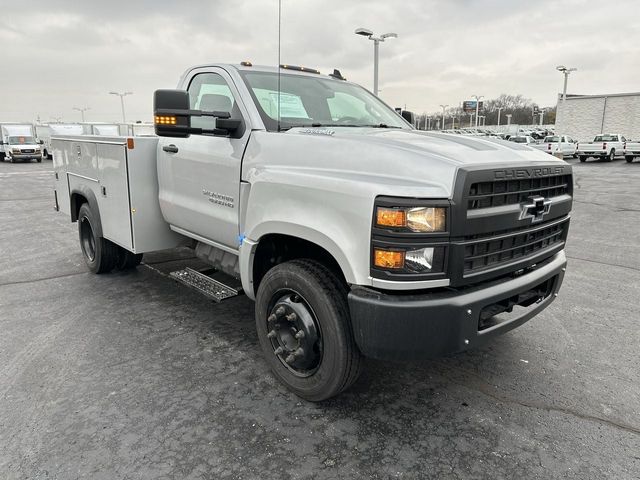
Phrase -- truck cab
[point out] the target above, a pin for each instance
(355, 234)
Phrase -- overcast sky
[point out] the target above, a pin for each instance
(57, 54)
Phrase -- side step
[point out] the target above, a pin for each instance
(208, 286)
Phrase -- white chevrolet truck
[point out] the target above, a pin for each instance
(355, 234)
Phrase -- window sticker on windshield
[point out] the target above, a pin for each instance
(290, 105)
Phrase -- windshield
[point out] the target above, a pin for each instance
(307, 101)
(22, 140)
(551, 139)
(606, 138)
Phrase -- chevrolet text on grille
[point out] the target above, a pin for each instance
(527, 173)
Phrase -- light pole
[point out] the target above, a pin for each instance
(499, 110)
(444, 107)
(82, 110)
(509, 119)
(122, 95)
(565, 71)
(376, 46)
(477, 97)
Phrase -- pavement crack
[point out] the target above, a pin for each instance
(605, 263)
(482, 386)
(42, 279)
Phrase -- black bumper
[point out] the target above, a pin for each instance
(405, 326)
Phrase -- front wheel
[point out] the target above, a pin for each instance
(304, 328)
(100, 255)
(583, 158)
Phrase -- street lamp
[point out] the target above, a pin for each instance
(499, 110)
(376, 43)
(477, 97)
(122, 95)
(509, 119)
(82, 110)
(565, 71)
(444, 107)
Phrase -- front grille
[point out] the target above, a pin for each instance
(27, 151)
(508, 192)
(487, 252)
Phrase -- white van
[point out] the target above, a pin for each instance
(18, 142)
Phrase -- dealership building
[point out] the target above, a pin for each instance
(584, 116)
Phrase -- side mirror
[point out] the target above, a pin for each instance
(172, 115)
(408, 116)
(41, 142)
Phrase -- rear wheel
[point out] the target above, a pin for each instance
(100, 254)
(629, 158)
(304, 328)
(612, 155)
(583, 158)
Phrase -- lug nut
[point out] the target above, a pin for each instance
(300, 335)
(278, 351)
(280, 311)
(290, 359)
(298, 353)
(292, 317)
(271, 334)
(272, 318)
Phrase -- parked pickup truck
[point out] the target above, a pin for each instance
(631, 150)
(556, 145)
(355, 234)
(605, 146)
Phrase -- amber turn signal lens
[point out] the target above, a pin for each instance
(390, 217)
(388, 258)
(165, 120)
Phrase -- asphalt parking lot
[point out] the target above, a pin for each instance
(132, 376)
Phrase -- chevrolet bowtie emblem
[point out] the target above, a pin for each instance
(535, 208)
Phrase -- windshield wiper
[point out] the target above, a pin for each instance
(381, 125)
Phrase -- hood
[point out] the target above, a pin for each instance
(416, 163)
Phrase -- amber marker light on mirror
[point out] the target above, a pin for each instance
(388, 258)
(165, 120)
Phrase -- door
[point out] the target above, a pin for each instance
(199, 176)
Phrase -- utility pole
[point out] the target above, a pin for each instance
(82, 110)
(477, 97)
(444, 107)
(122, 95)
(499, 110)
(376, 47)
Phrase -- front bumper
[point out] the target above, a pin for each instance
(407, 326)
(25, 156)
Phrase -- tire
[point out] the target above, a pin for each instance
(583, 158)
(100, 255)
(39, 159)
(325, 360)
(127, 260)
(629, 158)
(612, 155)
(11, 160)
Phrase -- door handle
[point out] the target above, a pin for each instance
(170, 148)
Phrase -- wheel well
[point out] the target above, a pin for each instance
(77, 199)
(274, 249)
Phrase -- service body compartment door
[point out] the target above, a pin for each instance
(113, 200)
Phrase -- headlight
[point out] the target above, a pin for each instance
(423, 260)
(15, 150)
(418, 219)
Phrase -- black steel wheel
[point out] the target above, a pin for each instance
(99, 254)
(304, 328)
